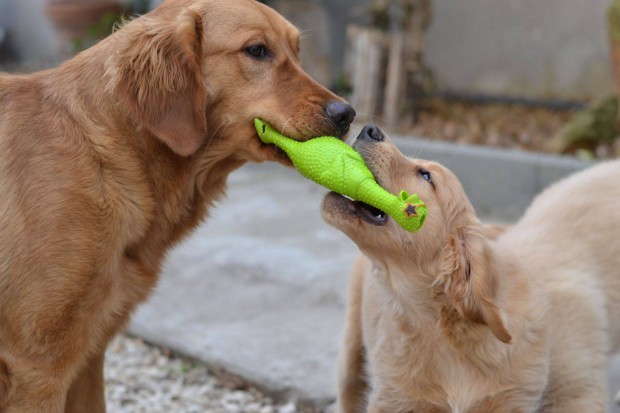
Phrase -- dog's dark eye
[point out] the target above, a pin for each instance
(257, 51)
(426, 175)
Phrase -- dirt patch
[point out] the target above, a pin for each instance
(500, 125)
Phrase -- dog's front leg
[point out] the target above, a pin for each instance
(352, 386)
(377, 402)
(376, 409)
(35, 390)
(591, 400)
(87, 390)
(587, 394)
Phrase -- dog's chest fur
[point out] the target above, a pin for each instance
(419, 369)
(423, 369)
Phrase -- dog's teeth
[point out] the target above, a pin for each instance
(349, 198)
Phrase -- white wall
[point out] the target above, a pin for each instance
(532, 48)
(30, 33)
(536, 48)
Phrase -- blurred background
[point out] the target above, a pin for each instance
(259, 298)
(509, 73)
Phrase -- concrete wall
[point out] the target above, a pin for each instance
(550, 48)
(529, 48)
(532, 48)
(30, 35)
(515, 177)
(322, 23)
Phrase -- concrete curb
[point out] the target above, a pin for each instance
(500, 183)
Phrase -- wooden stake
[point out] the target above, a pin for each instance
(394, 87)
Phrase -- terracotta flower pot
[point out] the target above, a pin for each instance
(74, 19)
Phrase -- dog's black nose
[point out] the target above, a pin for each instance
(340, 114)
(372, 132)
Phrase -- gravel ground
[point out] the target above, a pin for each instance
(144, 379)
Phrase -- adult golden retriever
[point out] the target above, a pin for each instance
(448, 320)
(109, 159)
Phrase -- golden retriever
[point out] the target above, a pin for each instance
(111, 158)
(448, 320)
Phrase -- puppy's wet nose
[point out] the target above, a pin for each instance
(372, 132)
(341, 115)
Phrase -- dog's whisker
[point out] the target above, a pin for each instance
(454, 154)
(214, 134)
(321, 117)
(284, 126)
(316, 132)
(218, 128)
(421, 148)
(225, 127)
(367, 115)
(427, 139)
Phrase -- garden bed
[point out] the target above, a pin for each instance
(512, 126)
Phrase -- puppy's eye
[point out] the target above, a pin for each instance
(426, 175)
(257, 51)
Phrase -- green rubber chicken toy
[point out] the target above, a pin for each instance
(337, 166)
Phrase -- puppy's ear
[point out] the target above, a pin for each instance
(467, 277)
(157, 76)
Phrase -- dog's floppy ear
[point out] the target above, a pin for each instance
(467, 277)
(157, 76)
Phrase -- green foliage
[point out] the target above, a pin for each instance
(342, 86)
(96, 32)
(105, 26)
(613, 20)
(379, 12)
(589, 128)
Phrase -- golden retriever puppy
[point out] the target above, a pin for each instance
(448, 320)
(111, 158)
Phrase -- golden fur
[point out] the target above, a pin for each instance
(448, 320)
(111, 158)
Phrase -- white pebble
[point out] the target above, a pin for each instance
(141, 379)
